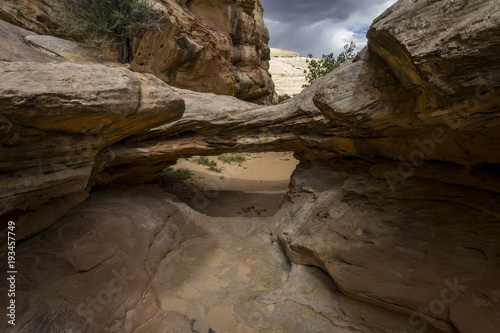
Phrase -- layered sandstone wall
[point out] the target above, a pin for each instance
(207, 46)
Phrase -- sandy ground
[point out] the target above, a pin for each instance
(252, 188)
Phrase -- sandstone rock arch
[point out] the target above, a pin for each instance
(397, 195)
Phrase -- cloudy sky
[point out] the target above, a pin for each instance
(320, 26)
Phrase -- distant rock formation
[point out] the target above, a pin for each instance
(396, 197)
(282, 53)
(207, 46)
(287, 71)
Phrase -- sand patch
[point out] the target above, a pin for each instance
(253, 188)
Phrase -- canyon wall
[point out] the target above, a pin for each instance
(396, 197)
(208, 46)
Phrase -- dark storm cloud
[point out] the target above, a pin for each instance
(320, 26)
(310, 11)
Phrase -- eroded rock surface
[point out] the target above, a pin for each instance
(56, 116)
(136, 260)
(428, 246)
(208, 46)
(396, 198)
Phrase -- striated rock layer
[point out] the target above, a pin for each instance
(208, 46)
(428, 247)
(288, 70)
(57, 115)
(395, 198)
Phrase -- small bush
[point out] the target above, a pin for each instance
(107, 22)
(282, 98)
(215, 168)
(179, 174)
(201, 160)
(172, 178)
(212, 166)
(232, 158)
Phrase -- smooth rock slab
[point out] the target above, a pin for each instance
(138, 260)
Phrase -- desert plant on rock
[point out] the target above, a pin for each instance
(282, 98)
(106, 22)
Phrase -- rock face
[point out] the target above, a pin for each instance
(208, 46)
(287, 71)
(99, 269)
(57, 115)
(428, 247)
(395, 198)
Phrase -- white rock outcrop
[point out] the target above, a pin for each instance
(287, 70)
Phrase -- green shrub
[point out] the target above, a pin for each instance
(327, 63)
(215, 168)
(201, 160)
(212, 166)
(179, 174)
(232, 158)
(282, 98)
(172, 178)
(106, 22)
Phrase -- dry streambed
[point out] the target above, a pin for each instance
(250, 188)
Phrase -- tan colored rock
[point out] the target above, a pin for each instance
(427, 247)
(56, 117)
(31, 15)
(396, 197)
(208, 46)
(401, 234)
(370, 116)
(281, 53)
(439, 63)
(137, 260)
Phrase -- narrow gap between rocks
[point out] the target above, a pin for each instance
(238, 184)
